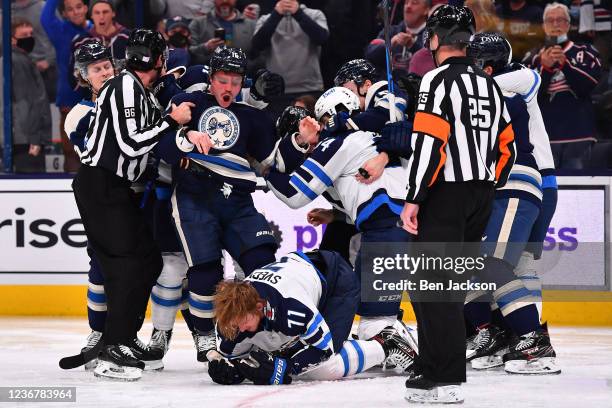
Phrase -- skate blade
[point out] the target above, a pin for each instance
(91, 365)
(446, 395)
(112, 371)
(486, 362)
(153, 365)
(540, 366)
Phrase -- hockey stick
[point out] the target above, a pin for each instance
(386, 23)
(70, 362)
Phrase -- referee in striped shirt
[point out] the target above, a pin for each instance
(463, 147)
(127, 125)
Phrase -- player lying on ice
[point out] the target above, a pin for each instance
(293, 318)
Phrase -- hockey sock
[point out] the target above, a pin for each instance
(526, 272)
(167, 292)
(370, 326)
(354, 357)
(202, 281)
(96, 298)
(256, 258)
(497, 318)
(185, 306)
(477, 313)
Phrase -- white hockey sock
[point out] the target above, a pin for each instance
(526, 272)
(372, 325)
(354, 357)
(167, 293)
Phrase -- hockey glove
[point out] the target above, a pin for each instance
(165, 88)
(337, 122)
(395, 139)
(267, 84)
(222, 371)
(264, 369)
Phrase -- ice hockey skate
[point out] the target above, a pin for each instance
(532, 353)
(118, 362)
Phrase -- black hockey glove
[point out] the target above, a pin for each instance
(264, 369)
(222, 371)
(395, 139)
(267, 84)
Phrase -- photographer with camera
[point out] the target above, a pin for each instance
(569, 72)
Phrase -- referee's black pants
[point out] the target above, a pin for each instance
(124, 246)
(451, 213)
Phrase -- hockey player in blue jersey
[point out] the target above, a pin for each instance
(513, 221)
(171, 292)
(330, 171)
(211, 204)
(293, 318)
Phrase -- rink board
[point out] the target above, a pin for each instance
(44, 263)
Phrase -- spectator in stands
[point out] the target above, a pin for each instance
(61, 32)
(406, 38)
(188, 9)
(105, 29)
(238, 31)
(127, 13)
(522, 24)
(569, 73)
(178, 36)
(31, 112)
(290, 38)
(596, 22)
(305, 101)
(43, 53)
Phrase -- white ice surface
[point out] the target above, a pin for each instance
(30, 349)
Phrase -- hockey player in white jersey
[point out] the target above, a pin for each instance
(511, 225)
(293, 318)
(330, 171)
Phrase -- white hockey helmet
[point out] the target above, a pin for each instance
(335, 100)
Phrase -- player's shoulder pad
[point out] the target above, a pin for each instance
(185, 97)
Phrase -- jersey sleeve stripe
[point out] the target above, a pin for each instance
(505, 139)
(323, 344)
(312, 327)
(300, 185)
(534, 87)
(317, 171)
(431, 125)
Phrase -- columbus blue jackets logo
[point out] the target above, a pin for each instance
(221, 125)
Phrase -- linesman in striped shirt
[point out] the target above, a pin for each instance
(127, 125)
(463, 147)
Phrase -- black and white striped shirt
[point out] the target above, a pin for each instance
(461, 130)
(127, 124)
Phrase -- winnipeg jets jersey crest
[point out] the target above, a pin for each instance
(221, 125)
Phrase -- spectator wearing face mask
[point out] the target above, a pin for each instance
(30, 105)
(178, 37)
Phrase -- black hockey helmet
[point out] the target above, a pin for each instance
(90, 52)
(143, 49)
(228, 59)
(452, 24)
(289, 121)
(490, 49)
(358, 70)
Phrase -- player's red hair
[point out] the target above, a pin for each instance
(234, 301)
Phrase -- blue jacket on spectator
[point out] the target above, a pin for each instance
(61, 32)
